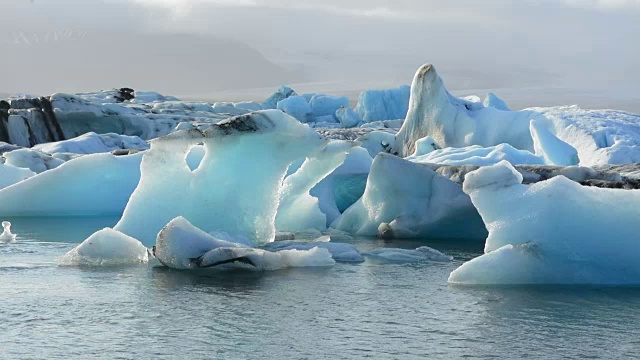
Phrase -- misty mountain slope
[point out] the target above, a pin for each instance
(172, 64)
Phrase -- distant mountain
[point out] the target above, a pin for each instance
(170, 64)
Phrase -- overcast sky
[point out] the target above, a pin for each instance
(474, 44)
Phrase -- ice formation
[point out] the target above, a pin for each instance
(377, 141)
(91, 143)
(32, 159)
(10, 175)
(106, 247)
(455, 122)
(236, 186)
(98, 184)
(340, 252)
(298, 107)
(297, 209)
(7, 236)
(347, 117)
(282, 93)
(585, 235)
(327, 105)
(418, 203)
(180, 245)
(423, 253)
(345, 185)
(390, 104)
(477, 155)
(492, 100)
(553, 150)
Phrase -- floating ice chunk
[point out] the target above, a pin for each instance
(282, 93)
(553, 150)
(179, 242)
(478, 155)
(385, 124)
(425, 146)
(340, 252)
(377, 141)
(347, 117)
(423, 253)
(297, 107)
(249, 154)
(106, 247)
(555, 231)
(298, 210)
(10, 175)
(228, 108)
(492, 100)
(420, 203)
(180, 245)
(7, 236)
(33, 160)
(97, 184)
(390, 104)
(326, 105)
(91, 143)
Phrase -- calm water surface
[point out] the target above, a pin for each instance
(375, 310)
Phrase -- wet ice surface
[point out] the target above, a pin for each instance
(373, 309)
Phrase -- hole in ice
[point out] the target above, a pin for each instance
(194, 156)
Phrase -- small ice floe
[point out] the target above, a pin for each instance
(7, 236)
(423, 253)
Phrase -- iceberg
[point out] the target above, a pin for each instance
(340, 252)
(32, 159)
(377, 141)
(553, 150)
(282, 93)
(180, 245)
(347, 117)
(327, 105)
(390, 104)
(91, 143)
(236, 186)
(455, 122)
(551, 232)
(91, 185)
(420, 203)
(106, 247)
(297, 107)
(492, 100)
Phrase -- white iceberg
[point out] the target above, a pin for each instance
(106, 247)
(327, 105)
(32, 159)
(420, 254)
(475, 155)
(555, 231)
(10, 175)
(91, 185)
(236, 186)
(347, 117)
(180, 245)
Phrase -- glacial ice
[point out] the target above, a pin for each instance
(477, 155)
(345, 185)
(10, 174)
(91, 143)
(180, 245)
(347, 117)
(297, 209)
(423, 253)
(236, 187)
(492, 100)
(340, 252)
(106, 247)
(32, 159)
(327, 105)
(553, 150)
(297, 107)
(418, 203)
(97, 184)
(586, 235)
(377, 141)
(390, 104)
(282, 93)
(7, 236)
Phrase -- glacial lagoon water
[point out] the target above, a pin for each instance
(370, 310)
